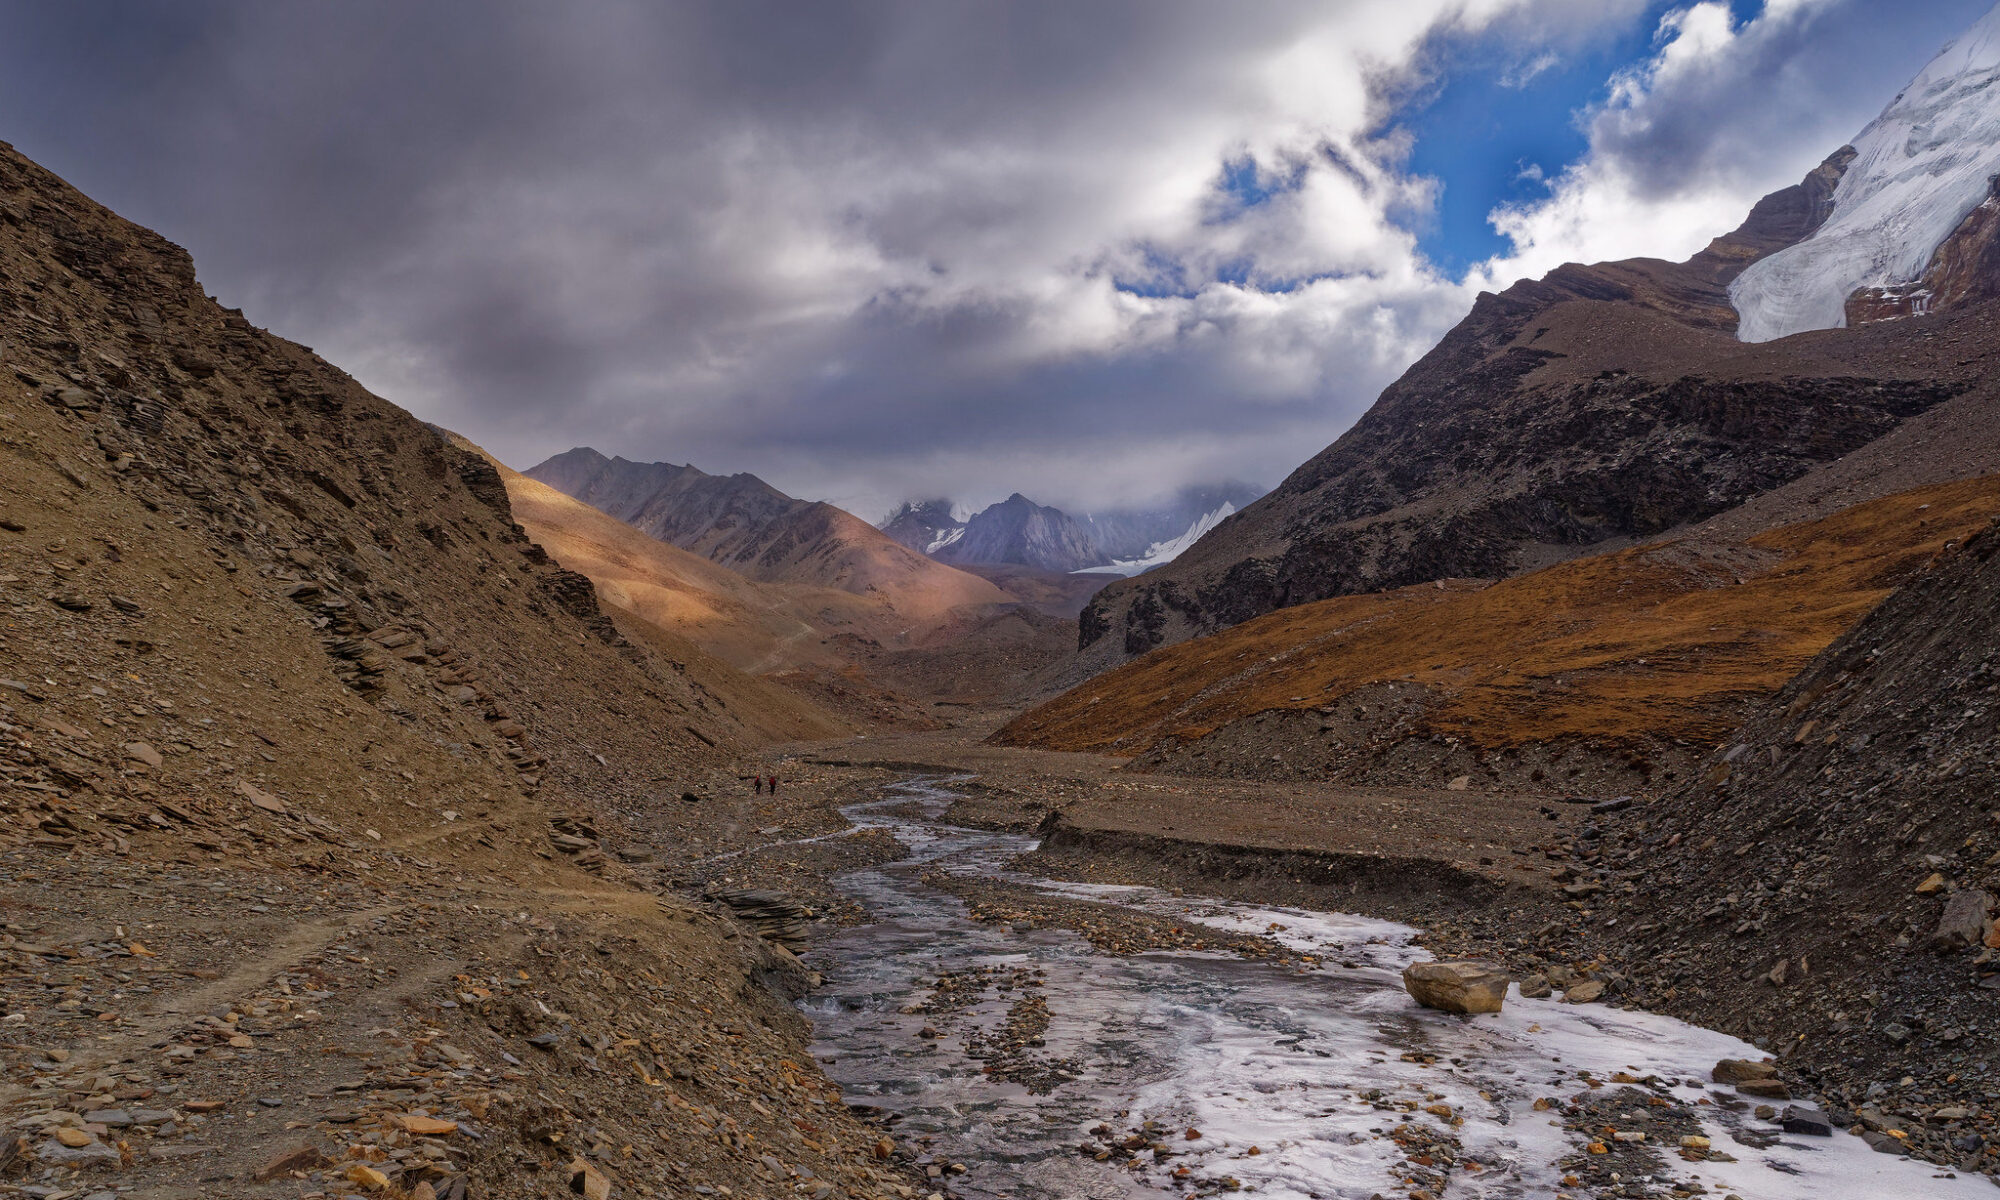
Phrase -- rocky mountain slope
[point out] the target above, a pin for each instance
(1610, 673)
(1607, 403)
(1828, 884)
(749, 526)
(699, 614)
(756, 627)
(1590, 408)
(309, 759)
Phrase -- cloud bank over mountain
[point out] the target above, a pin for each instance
(873, 250)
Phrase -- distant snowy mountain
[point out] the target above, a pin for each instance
(1019, 532)
(1129, 534)
(926, 525)
(1164, 552)
(1920, 170)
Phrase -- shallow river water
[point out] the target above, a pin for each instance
(1249, 1054)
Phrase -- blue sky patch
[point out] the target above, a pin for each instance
(1498, 125)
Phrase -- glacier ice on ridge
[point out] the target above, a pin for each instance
(1920, 168)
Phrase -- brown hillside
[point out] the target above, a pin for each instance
(849, 658)
(313, 774)
(1653, 644)
(710, 621)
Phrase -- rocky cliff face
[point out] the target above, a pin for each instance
(1595, 406)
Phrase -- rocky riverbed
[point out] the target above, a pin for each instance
(1024, 1037)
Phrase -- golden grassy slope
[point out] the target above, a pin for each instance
(1661, 641)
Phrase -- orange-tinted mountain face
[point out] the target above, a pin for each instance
(1627, 653)
(749, 526)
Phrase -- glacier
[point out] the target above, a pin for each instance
(1163, 552)
(1920, 169)
(945, 538)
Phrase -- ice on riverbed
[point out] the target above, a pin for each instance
(1258, 1054)
(1340, 937)
(1294, 1097)
(1296, 1100)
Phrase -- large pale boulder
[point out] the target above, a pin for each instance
(1456, 987)
(1964, 922)
(1742, 1070)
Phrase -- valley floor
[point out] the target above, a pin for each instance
(212, 1027)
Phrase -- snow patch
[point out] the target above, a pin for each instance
(1160, 553)
(945, 539)
(1920, 168)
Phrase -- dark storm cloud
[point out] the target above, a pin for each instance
(864, 249)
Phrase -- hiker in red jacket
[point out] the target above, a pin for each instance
(774, 785)
(757, 782)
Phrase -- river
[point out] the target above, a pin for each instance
(1296, 1081)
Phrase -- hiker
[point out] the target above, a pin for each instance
(757, 782)
(774, 785)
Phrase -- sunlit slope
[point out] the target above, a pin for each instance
(1660, 641)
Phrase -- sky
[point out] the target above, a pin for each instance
(876, 249)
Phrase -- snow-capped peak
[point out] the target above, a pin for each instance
(1164, 552)
(1920, 168)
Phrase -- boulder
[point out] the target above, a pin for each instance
(1809, 1121)
(1882, 1143)
(587, 1181)
(1742, 1070)
(1537, 987)
(1456, 987)
(1584, 992)
(300, 1158)
(1963, 924)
